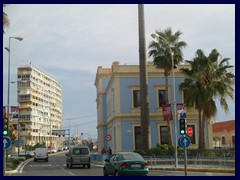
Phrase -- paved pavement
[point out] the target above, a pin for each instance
(195, 168)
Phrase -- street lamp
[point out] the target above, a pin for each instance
(154, 35)
(9, 52)
(8, 93)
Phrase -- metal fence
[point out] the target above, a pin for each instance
(220, 162)
(153, 160)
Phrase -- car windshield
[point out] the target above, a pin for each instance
(132, 156)
(80, 151)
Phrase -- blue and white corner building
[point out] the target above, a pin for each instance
(118, 107)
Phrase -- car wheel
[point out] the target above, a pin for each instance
(88, 166)
(104, 172)
(47, 159)
(67, 165)
(116, 173)
(70, 164)
(35, 160)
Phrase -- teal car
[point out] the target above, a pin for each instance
(125, 164)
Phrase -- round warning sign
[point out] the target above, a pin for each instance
(108, 137)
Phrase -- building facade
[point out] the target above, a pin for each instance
(40, 107)
(224, 134)
(118, 108)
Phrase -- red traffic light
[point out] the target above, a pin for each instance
(190, 131)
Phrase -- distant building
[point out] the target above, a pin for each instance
(224, 134)
(40, 106)
(118, 108)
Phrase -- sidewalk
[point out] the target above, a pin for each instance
(194, 168)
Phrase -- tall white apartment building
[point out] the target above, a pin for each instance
(40, 107)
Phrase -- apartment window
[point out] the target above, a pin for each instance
(192, 138)
(161, 97)
(24, 97)
(163, 135)
(137, 135)
(136, 98)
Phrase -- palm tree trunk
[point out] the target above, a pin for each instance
(143, 80)
(168, 122)
(201, 130)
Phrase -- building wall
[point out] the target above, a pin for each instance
(122, 117)
(40, 106)
(224, 130)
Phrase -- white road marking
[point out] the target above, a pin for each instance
(209, 174)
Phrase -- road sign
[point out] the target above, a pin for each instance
(190, 131)
(6, 142)
(181, 110)
(108, 137)
(184, 141)
(20, 142)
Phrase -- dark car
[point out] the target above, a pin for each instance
(125, 164)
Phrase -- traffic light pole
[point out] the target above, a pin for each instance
(185, 161)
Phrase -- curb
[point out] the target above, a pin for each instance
(18, 167)
(195, 169)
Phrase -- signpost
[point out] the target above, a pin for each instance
(6, 142)
(19, 142)
(184, 142)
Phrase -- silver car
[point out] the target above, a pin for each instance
(78, 155)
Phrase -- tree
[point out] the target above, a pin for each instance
(208, 78)
(143, 81)
(6, 21)
(162, 51)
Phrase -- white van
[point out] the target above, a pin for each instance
(41, 154)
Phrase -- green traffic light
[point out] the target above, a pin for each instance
(5, 133)
(182, 131)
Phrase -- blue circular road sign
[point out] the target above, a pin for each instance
(6, 142)
(184, 141)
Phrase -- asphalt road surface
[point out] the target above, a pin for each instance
(56, 166)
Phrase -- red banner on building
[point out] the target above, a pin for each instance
(167, 112)
(14, 112)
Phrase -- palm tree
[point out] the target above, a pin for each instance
(6, 21)
(162, 51)
(143, 81)
(207, 80)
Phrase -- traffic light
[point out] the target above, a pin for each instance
(183, 125)
(5, 126)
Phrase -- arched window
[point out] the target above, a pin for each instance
(233, 140)
(223, 140)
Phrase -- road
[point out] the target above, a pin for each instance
(56, 166)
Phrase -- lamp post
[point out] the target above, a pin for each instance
(9, 57)
(8, 93)
(174, 95)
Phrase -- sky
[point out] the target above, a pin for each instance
(70, 41)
